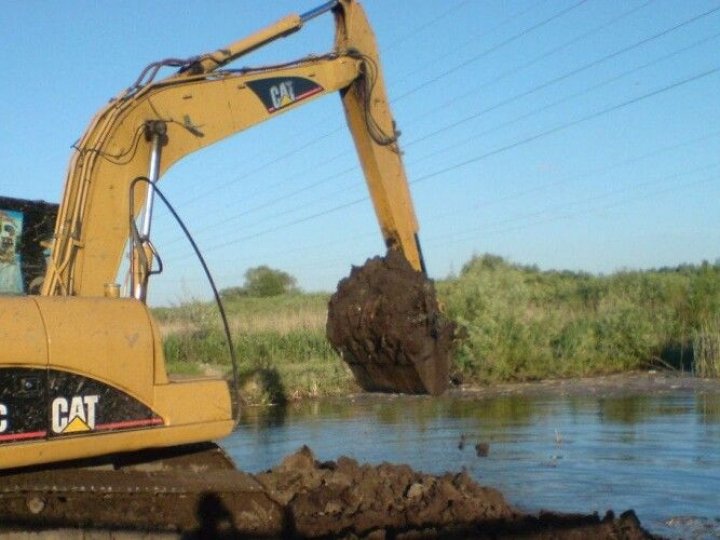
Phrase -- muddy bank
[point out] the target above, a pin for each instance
(301, 498)
(632, 383)
(385, 323)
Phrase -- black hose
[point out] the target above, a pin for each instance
(235, 394)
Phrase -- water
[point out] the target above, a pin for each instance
(659, 455)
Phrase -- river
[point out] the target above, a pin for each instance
(657, 453)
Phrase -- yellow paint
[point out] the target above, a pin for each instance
(79, 326)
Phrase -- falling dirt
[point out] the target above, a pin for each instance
(385, 322)
(301, 498)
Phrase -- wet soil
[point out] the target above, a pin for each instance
(300, 498)
(345, 499)
(613, 385)
(385, 323)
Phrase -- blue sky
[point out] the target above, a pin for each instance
(568, 134)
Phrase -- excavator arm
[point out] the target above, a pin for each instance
(82, 372)
(154, 123)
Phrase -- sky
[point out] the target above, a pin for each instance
(567, 134)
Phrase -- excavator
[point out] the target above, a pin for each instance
(82, 372)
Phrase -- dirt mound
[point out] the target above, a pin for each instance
(385, 322)
(345, 499)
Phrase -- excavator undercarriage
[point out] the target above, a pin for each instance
(171, 489)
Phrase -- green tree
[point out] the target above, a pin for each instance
(265, 281)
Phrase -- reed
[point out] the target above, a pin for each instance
(706, 349)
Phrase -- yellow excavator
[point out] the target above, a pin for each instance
(82, 371)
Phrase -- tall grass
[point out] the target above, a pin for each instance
(706, 348)
(279, 343)
(515, 323)
(521, 323)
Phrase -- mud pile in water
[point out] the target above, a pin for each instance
(345, 499)
(385, 322)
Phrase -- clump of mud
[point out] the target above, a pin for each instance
(345, 499)
(385, 323)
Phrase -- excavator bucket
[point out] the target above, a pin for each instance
(385, 323)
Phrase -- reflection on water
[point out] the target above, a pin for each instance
(659, 455)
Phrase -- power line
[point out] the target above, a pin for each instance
(268, 204)
(536, 59)
(411, 33)
(510, 18)
(480, 157)
(491, 50)
(548, 106)
(486, 229)
(318, 139)
(574, 177)
(471, 234)
(511, 98)
(548, 215)
(566, 125)
(570, 73)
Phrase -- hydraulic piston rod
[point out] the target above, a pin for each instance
(155, 132)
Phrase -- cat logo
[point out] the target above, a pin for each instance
(282, 94)
(277, 93)
(74, 415)
(3, 417)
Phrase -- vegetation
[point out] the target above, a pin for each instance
(514, 323)
(520, 323)
(263, 281)
(279, 342)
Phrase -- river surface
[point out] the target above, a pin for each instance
(656, 454)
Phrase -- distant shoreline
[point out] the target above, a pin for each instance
(616, 385)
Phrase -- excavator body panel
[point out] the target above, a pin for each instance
(85, 376)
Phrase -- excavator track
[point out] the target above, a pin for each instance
(176, 489)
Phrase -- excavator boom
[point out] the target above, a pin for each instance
(82, 371)
(202, 104)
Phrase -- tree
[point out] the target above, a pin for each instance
(262, 281)
(265, 281)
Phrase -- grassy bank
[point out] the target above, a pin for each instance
(520, 323)
(279, 342)
(514, 322)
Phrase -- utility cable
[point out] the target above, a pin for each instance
(412, 33)
(483, 156)
(548, 106)
(570, 73)
(491, 50)
(603, 170)
(471, 234)
(521, 94)
(517, 16)
(566, 125)
(280, 158)
(512, 71)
